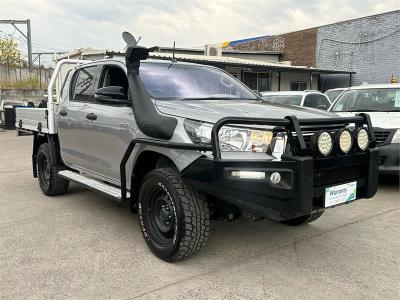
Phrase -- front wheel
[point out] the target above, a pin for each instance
(304, 219)
(174, 219)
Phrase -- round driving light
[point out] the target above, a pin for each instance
(324, 143)
(345, 141)
(362, 139)
(275, 177)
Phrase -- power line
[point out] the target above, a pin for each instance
(36, 44)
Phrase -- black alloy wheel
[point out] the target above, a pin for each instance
(174, 218)
(49, 181)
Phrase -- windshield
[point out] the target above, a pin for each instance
(332, 95)
(284, 99)
(369, 100)
(178, 81)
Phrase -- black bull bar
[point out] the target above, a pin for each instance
(290, 124)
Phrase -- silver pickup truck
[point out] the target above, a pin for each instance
(185, 143)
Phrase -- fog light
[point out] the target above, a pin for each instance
(345, 141)
(362, 139)
(324, 143)
(275, 178)
(248, 174)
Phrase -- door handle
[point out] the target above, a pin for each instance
(91, 116)
(63, 112)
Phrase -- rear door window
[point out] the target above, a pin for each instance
(84, 84)
(316, 101)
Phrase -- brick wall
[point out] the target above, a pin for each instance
(297, 47)
(369, 46)
(300, 47)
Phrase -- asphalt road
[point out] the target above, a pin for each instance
(83, 245)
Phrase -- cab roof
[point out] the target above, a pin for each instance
(149, 60)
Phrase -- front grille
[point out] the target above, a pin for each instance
(327, 177)
(381, 136)
(307, 140)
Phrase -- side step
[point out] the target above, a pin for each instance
(93, 184)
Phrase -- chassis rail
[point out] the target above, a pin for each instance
(290, 123)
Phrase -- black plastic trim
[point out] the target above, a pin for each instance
(151, 142)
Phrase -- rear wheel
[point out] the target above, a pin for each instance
(304, 219)
(174, 219)
(49, 181)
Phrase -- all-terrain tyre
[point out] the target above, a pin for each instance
(304, 219)
(49, 181)
(174, 219)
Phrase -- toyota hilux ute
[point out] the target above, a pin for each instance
(185, 143)
(382, 103)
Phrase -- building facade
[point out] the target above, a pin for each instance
(268, 74)
(368, 46)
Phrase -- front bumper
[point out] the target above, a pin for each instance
(302, 189)
(389, 159)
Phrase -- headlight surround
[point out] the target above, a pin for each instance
(396, 137)
(230, 138)
(345, 141)
(362, 137)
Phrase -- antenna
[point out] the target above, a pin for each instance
(173, 53)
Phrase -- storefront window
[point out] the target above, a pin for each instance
(298, 85)
(257, 81)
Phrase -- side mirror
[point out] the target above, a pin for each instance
(115, 94)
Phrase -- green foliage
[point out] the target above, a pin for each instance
(25, 84)
(9, 52)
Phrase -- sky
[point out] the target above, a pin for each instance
(60, 25)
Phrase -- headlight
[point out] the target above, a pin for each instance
(396, 137)
(362, 139)
(230, 138)
(345, 141)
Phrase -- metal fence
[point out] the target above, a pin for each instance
(12, 75)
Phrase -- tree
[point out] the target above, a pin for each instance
(9, 52)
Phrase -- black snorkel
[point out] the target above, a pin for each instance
(149, 121)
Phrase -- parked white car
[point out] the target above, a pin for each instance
(382, 103)
(332, 94)
(307, 98)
